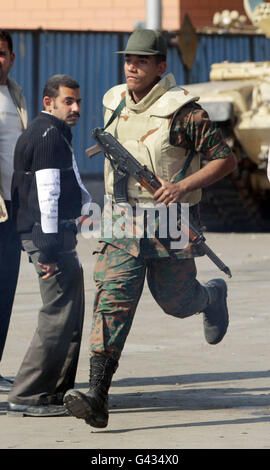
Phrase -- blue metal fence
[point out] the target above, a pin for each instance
(90, 58)
(22, 70)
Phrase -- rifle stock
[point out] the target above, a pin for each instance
(127, 165)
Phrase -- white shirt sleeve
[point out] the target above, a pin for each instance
(48, 190)
(268, 165)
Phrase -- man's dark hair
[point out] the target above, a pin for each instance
(5, 36)
(51, 88)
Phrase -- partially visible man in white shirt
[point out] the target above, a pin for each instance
(268, 165)
(13, 120)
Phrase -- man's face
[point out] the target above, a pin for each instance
(142, 73)
(6, 61)
(65, 106)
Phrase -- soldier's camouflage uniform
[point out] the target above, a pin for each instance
(123, 263)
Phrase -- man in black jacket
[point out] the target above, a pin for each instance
(47, 197)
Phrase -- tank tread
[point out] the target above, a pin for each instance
(227, 206)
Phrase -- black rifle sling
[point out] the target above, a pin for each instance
(120, 178)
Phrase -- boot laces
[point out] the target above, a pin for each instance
(101, 372)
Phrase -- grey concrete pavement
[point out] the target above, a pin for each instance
(172, 390)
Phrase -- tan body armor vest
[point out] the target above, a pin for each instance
(144, 130)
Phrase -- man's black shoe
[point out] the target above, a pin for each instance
(36, 410)
(216, 317)
(5, 384)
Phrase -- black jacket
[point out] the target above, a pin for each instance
(44, 146)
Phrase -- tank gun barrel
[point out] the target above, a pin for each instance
(240, 71)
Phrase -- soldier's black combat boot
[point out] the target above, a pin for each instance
(92, 406)
(216, 317)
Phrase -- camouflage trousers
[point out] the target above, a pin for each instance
(120, 277)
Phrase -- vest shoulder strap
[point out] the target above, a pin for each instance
(116, 112)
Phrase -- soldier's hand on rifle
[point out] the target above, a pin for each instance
(169, 192)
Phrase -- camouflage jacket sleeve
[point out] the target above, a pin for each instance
(192, 128)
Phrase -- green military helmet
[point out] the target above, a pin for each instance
(145, 42)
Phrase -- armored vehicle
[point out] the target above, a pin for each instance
(237, 98)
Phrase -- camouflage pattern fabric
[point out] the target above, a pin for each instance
(192, 128)
(120, 277)
(128, 230)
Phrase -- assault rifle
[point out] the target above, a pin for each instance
(125, 165)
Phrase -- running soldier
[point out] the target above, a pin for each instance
(160, 124)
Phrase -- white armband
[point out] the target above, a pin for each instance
(48, 190)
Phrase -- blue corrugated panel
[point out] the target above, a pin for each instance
(211, 49)
(22, 70)
(90, 59)
(261, 48)
(175, 65)
(218, 48)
